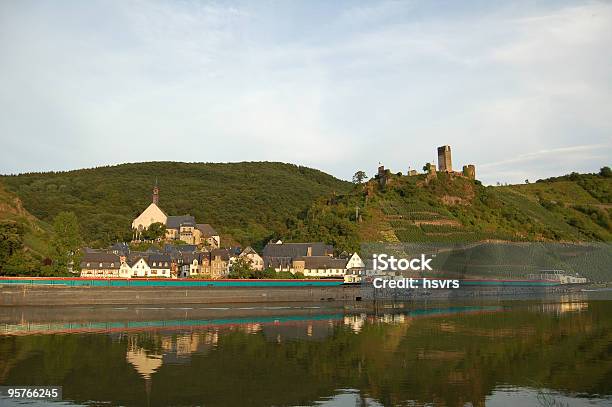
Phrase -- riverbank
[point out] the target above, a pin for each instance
(55, 295)
(13, 295)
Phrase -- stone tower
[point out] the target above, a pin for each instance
(444, 159)
(156, 194)
(469, 171)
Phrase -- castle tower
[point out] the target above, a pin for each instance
(469, 171)
(156, 194)
(444, 159)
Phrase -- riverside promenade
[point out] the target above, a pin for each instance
(78, 291)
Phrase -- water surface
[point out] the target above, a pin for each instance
(551, 353)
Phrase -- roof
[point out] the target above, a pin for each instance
(293, 250)
(206, 230)
(184, 248)
(94, 259)
(188, 257)
(132, 260)
(159, 258)
(223, 253)
(322, 262)
(248, 250)
(175, 222)
(121, 247)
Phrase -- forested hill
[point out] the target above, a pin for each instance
(572, 208)
(23, 238)
(250, 201)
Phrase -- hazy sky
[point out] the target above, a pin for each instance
(522, 89)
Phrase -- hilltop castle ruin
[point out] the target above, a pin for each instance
(445, 165)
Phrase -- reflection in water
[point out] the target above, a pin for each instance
(556, 353)
(144, 363)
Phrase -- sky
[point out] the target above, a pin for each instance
(523, 90)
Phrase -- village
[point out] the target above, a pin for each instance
(195, 250)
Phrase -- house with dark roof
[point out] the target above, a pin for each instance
(181, 228)
(207, 236)
(280, 255)
(160, 265)
(100, 265)
(120, 249)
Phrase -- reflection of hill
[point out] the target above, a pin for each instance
(446, 358)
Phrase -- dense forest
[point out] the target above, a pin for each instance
(247, 202)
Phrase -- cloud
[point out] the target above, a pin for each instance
(336, 87)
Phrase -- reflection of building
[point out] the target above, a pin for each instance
(144, 363)
(355, 322)
(179, 347)
(310, 330)
(567, 305)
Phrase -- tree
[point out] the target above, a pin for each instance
(359, 177)
(606, 172)
(241, 268)
(427, 166)
(155, 231)
(66, 243)
(11, 240)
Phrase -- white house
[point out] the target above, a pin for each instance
(125, 271)
(140, 267)
(355, 269)
(355, 262)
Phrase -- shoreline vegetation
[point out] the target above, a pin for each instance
(43, 216)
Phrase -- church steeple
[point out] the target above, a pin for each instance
(156, 193)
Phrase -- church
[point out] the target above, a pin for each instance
(182, 228)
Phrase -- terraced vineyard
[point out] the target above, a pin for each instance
(449, 209)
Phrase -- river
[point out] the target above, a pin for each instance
(554, 352)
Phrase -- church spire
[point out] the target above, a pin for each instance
(156, 193)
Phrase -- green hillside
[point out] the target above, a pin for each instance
(249, 201)
(24, 240)
(35, 234)
(449, 209)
